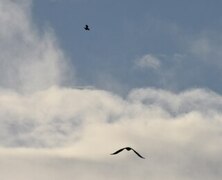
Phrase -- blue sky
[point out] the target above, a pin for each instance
(125, 31)
(147, 75)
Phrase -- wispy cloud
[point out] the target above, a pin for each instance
(148, 61)
(207, 48)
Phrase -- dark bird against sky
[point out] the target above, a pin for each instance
(128, 149)
(86, 27)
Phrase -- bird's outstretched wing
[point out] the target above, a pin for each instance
(117, 151)
(138, 154)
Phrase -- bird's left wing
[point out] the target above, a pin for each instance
(138, 154)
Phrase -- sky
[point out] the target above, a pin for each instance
(147, 75)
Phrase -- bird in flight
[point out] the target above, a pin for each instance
(128, 149)
(86, 27)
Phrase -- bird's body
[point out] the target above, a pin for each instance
(86, 27)
(128, 149)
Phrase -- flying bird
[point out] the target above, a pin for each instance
(86, 27)
(128, 149)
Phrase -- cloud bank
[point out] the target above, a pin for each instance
(59, 131)
(50, 131)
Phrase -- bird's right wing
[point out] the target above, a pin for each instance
(117, 151)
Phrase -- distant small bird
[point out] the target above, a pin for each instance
(86, 27)
(128, 149)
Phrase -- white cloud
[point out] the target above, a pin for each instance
(30, 59)
(148, 61)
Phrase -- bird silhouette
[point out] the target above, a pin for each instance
(128, 149)
(86, 27)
